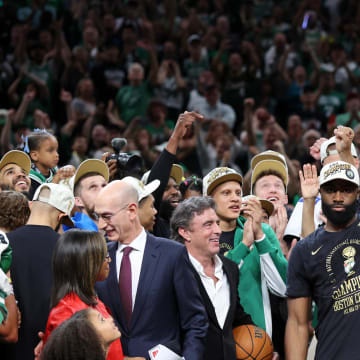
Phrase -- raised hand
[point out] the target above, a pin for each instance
(185, 121)
(315, 148)
(344, 137)
(309, 181)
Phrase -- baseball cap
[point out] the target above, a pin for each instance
(142, 189)
(192, 38)
(339, 170)
(324, 152)
(16, 157)
(92, 165)
(267, 155)
(60, 198)
(218, 176)
(267, 205)
(177, 173)
(266, 165)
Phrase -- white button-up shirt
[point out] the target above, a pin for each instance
(218, 293)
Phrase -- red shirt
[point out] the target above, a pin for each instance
(68, 306)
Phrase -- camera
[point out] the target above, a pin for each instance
(127, 165)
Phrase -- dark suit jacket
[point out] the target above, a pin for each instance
(220, 343)
(168, 308)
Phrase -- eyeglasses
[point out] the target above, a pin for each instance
(107, 217)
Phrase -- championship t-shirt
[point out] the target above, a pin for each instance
(227, 241)
(326, 267)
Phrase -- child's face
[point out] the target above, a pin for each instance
(47, 155)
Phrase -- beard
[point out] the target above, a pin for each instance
(166, 209)
(90, 210)
(339, 218)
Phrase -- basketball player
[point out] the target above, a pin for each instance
(325, 267)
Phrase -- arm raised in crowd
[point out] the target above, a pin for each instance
(162, 167)
(309, 189)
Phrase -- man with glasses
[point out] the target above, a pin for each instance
(151, 290)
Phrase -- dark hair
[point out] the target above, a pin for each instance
(267, 173)
(191, 183)
(186, 211)
(14, 210)
(75, 339)
(77, 261)
(34, 140)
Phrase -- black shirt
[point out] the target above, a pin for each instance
(227, 241)
(31, 275)
(326, 267)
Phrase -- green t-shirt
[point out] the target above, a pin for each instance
(159, 130)
(343, 119)
(132, 101)
(331, 103)
(193, 70)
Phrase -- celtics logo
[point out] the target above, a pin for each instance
(349, 254)
(350, 174)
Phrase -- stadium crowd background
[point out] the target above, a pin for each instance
(94, 70)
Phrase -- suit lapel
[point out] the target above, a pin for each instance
(113, 286)
(147, 273)
(233, 290)
(207, 302)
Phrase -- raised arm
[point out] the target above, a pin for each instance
(309, 189)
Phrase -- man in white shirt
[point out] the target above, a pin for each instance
(151, 290)
(213, 108)
(195, 223)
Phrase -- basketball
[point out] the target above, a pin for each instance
(252, 343)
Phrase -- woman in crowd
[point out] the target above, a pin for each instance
(80, 259)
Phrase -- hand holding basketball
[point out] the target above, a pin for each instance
(252, 343)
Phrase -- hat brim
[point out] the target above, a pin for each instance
(267, 205)
(150, 188)
(92, 165)
(266, 165)
(266, 156)
(177, 173)
(227, 177)
(16, 157)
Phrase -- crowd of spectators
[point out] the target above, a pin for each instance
(198, 90)
(90, 71)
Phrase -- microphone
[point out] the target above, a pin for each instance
(118, 144)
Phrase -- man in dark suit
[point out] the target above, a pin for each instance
(151, 289)
(195, 223)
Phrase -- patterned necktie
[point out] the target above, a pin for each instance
(125, 283)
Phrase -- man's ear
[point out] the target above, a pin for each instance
(78, 202)
(184, 234)
(133, 210)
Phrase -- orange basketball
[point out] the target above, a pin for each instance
(252, 343)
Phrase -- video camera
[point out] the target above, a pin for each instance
(127, 165)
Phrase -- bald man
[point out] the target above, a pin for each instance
(151, 290)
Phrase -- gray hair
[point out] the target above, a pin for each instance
(185, 213)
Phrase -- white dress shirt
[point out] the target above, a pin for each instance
(218, 293)
(136, 258)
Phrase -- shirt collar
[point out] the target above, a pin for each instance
(138, 243)
(199, 268)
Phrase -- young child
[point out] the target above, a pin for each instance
(42, 147)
